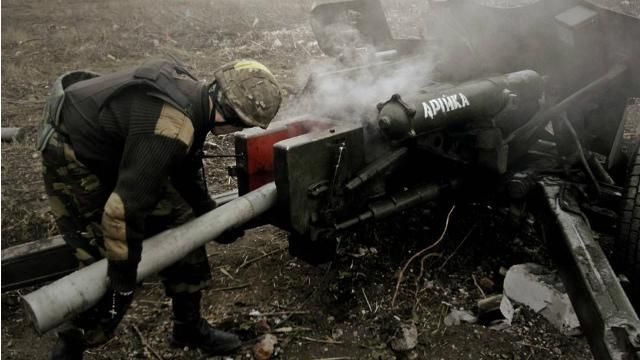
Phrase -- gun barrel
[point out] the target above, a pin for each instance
(436, 108)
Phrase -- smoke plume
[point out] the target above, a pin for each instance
(352, 94)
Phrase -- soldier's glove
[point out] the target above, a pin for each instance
(230, 236)
(204, 206)
(112, 307)
(99, 322)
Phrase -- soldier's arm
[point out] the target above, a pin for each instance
(190, 183)
(154, 145)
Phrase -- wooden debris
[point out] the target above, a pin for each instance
(328, 341)
(249, 262)
(145, 343)
(489, 304)
(235, 287)
(290, 329)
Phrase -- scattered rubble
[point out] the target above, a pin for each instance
(406, 338)
(542, 291)
(337, 334)
(495, 310)
(456, 317)
(264, 348)
(507, 310)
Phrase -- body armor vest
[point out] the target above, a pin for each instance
(168, 81)
(82, 102)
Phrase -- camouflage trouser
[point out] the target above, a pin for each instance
(77, 198)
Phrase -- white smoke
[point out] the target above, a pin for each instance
(351, 94)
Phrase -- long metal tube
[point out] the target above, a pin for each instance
(61, 300)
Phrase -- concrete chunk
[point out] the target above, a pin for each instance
(542, 290)
(456, 317)
(406, 337)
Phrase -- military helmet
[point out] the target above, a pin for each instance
(250, 90)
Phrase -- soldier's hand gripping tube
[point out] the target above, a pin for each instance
(112, 308)
(122, 275)
(96, 325)
(118, 303)
(204, 206)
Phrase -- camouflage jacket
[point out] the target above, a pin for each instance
(137, 135)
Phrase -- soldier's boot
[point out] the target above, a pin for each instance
(70, 345)
(190, 329)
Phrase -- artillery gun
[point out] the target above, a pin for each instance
(533, 103)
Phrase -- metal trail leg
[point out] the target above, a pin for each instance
(606, 315)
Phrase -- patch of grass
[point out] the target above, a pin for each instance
(25, 211)
(14, 36)
(21, 224)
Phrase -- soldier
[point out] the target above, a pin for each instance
(121, 163)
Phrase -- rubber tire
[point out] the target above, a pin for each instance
(627, 245)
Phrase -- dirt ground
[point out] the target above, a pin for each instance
(340, 310)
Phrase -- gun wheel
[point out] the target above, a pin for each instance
(627, 246)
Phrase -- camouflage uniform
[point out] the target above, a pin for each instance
(121, 163)
(82, 197)
(77, 199)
